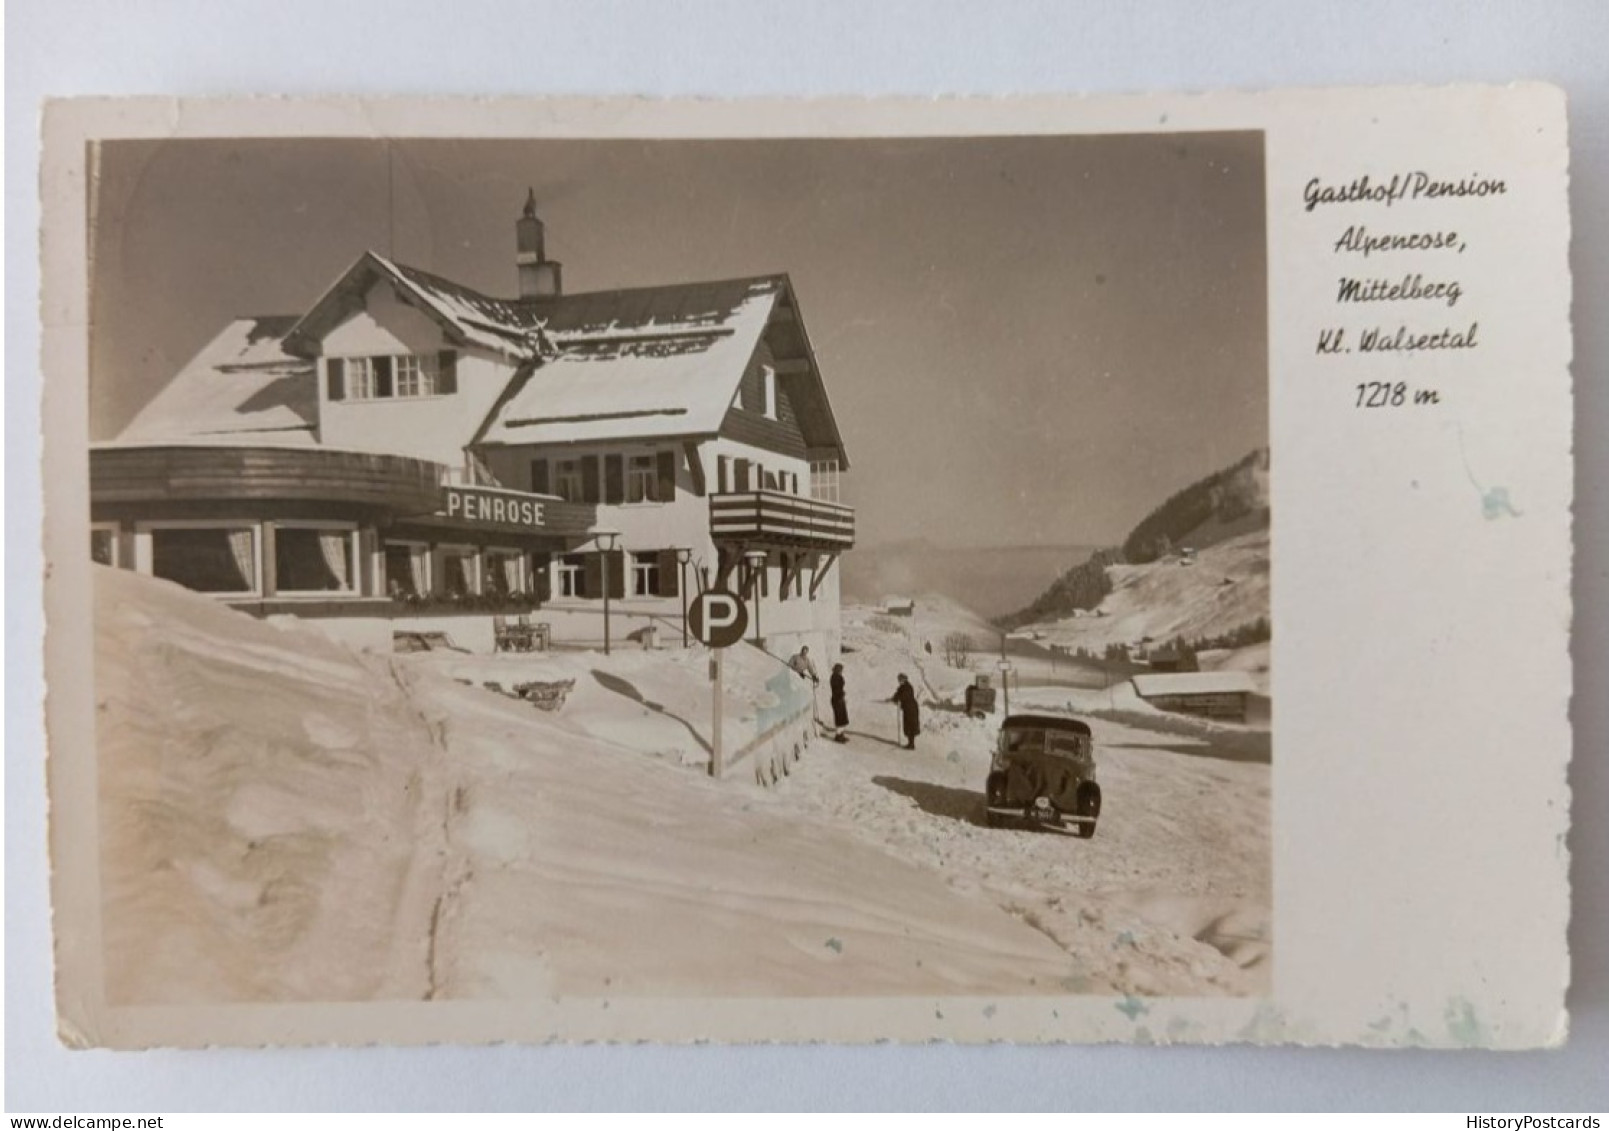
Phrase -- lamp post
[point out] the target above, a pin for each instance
(757, 560)
(606, 540)
(684, 554)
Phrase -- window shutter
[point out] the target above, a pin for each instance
(335, 378)
(382, 377)
(541, 578)
(447, 372)
(617, 574)
(614, 479)
(723, 474)
(782, 590)
(670, 574)
(667, 477)
(539, 477)
(592, 575)
(742, 475)
(589, 480)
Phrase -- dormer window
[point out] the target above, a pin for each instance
(379, 377)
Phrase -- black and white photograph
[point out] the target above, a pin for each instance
(608, 568)
(598, 571)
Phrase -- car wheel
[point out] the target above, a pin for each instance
(1089, 805)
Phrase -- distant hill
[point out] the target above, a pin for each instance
(1229, 503)
(991, 580)
(1225, 505)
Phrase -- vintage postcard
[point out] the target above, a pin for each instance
(1026, 570)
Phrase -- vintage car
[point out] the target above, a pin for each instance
(1043, 775)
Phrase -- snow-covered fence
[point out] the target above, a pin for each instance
(785, 731)
(771, 756)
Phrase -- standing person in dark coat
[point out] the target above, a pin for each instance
(909, 713)
(840, 705)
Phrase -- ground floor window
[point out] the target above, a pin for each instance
(103, 545)
(216, 559)
(407, 569)
(503, 573)
(315, 559)
(645, 574)
(569, 576)
(458, 573)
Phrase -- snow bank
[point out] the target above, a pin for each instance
(286, 820)
(270, 808)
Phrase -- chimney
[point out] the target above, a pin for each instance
(539, 276)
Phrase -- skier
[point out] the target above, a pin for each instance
(840, 705)
(909, 712)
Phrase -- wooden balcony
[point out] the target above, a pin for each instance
(773, 518)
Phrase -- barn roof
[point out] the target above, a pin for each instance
(242, 387)
(1192, 683)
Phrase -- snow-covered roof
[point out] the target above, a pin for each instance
(1192, 683)
(595, 366)
(626, 364)
(241, 388)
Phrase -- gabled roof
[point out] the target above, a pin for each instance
(467, 317)
(601, 365)
(241, 388)
(647, 362)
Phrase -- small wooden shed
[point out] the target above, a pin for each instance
(1213, 695)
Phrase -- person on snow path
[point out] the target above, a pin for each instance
(840, 704)
(910, 713)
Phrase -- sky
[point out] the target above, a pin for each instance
(1026, 340)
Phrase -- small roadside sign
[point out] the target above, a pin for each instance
(717, 618)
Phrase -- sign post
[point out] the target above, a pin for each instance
(719, 620)
(717, 751)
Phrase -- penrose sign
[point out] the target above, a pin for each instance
(476, 505)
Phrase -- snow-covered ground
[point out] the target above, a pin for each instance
(286, 819)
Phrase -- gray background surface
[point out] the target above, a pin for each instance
(765, 47)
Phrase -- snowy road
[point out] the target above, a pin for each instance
(1170, 896)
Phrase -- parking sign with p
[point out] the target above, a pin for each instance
(717, 618)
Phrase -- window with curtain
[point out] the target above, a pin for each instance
(458, 572)
(210, 559)
(502, 572)
(314, 560)
(405, 570)
(641, 485)
(567, 483)
(569, 576)
(645, 574)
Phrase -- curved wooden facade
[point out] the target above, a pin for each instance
(195, 474)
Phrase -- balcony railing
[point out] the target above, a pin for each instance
(778, 518)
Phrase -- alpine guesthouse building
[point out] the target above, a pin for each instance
(412, 456)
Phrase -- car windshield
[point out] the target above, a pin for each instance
(1035, 740)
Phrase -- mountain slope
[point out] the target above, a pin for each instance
(1226, 505)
